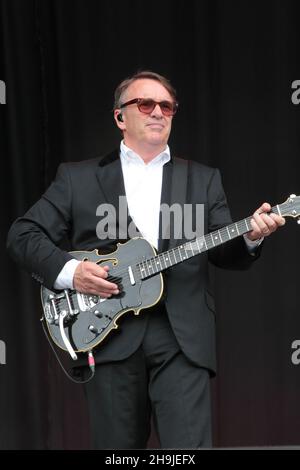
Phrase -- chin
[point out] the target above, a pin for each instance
(157, 140)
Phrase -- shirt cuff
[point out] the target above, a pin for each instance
(65, 278)
(252, 244)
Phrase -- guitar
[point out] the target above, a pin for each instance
(79, 322)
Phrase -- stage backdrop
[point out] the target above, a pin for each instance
(236, 67)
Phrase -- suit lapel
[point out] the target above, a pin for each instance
(110, 177)
(163, 241)
(175, 173)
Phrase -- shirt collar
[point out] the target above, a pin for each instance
(129, 156)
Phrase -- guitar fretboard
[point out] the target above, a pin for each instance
(178, 254)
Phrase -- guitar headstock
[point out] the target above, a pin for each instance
(291, 207)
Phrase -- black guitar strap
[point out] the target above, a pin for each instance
(178, 192)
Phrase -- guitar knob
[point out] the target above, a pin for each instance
(298, 221)
(93, 329)
(98, 314)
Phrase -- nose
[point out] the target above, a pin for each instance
(157, 112)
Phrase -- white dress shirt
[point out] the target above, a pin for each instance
(143, 193)
(143, 190)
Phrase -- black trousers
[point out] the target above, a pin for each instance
(156, 379)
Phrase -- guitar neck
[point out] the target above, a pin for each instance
(181, 253)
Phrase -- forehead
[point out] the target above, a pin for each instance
(147, 88)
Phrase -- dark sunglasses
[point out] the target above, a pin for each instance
(146, 106)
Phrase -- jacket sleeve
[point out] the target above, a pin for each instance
(33, 240)
(233, 254)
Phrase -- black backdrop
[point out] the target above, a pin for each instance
(233, 64)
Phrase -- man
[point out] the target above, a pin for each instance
(160, 361)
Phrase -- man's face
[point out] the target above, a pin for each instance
(145, 130)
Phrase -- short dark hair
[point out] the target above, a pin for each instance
(122, 87)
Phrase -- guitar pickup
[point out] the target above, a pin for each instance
(131, 276)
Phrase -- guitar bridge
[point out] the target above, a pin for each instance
(57, 305)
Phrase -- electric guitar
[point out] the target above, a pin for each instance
(78, 322)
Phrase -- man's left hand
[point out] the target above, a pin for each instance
(263, 224)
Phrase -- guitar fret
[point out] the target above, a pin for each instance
(169, 259)
(228, 233)
(216, 238)
(224, 235)
(208, 242)
(279, 211)
(165, 258)
(182, 248)
(247, 225)
(146, 268)
(159, 262)
(212, 239)
(201, 244)
(192, 248)
(237, 228)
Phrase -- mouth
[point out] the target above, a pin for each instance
(155, 125)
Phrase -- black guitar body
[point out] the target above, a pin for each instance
(88, 319)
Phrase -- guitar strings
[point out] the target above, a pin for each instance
(206, 239)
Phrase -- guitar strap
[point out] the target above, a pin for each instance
(178, 193)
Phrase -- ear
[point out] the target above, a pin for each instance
(121, 124)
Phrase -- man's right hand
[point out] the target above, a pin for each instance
(89, 278)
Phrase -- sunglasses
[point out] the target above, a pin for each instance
(146, 106)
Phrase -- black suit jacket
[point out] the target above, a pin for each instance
(68, 210)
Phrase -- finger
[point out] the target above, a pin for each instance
(105, 285)
(92, 287)
(263, 228)
(93, 291)
(100, 271)
(278, 219)
(265, 207)
(91, 267)
(270, 223)
(255, 227)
